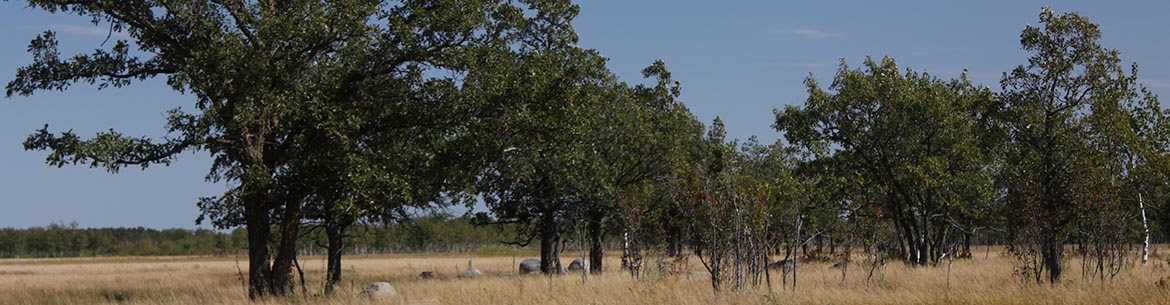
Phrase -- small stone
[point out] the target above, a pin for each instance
(379, 290)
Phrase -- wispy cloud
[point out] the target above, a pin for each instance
(87, 30)
(809, 33)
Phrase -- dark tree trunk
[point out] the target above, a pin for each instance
(900, 251)
(676, 234)
(335, 232)
(281, 277)
(916, 244)
(673, 242)
(596, 249)
(1052, 250)
(924, 240)
(820, 245)
(904, 233)
(256, 220)
(556, 255)
(548, 241)
(966, 253)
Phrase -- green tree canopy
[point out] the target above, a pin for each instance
(268, 77)
(1074, 124)
(910, 137)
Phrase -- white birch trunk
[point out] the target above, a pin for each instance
(626, 249)
(1145, 231)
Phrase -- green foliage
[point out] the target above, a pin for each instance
(346, 117)
(1076, 124)
(436, 233)
(542, 99)
(906, 145)
(644, 136)
(57, 240)
(324, 108)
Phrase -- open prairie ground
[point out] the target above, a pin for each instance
(985, 279)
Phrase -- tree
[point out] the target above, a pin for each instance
(542, 99)
(1150, 162)
(639, 136)
(738, 196)
(909, 137)
(253, 67)
(385, 149)
(1070, 125)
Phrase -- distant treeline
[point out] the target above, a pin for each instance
(60, 240)
(432, 233)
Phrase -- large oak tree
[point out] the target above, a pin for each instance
(264, 75)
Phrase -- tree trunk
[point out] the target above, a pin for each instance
(335, 232)
(256, 217)
(281, 277)
(256, 220)
(924, 249)
(910, 235)
(1051, 252)
(714, 269)
(548, 240)
(596, 249)
(820, 245)
(1145, 231)
(967, 245)
(903, 236)
(795, 260)
(673, 241)
(625, 249)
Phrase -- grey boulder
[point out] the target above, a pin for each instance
(379, 290)
(530, 265)
(578, 265)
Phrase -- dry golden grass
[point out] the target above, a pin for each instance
(985, 279)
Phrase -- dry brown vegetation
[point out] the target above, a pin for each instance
(985, 279)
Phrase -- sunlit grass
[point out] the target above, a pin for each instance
(985, 279)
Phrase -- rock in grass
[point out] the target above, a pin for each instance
(578, 265)
(530, 265)
(379, 290)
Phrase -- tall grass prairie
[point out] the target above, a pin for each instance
(987, 278)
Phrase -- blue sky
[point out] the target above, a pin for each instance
(736, 59)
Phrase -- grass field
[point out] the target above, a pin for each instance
(985, 279)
